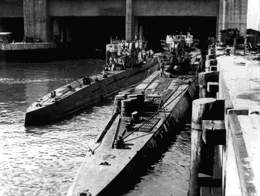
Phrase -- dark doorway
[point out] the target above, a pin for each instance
(156, 28)
(91, 34)
(13, 25)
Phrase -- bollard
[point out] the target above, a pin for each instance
(209, 63)
(210, 57)
(213, 62)
(212, 51)
(213, 68)
(212, 89)
(207, 113)
(214, 141)
(207, 79)
(200, 109)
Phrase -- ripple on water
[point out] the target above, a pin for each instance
(27, 81)
(170, 174)
(43, 161)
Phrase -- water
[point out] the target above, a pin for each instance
(43, 161)
(169, 175)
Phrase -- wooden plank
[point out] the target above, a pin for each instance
(200, 107)
(217, 172)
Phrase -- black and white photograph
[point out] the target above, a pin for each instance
(129, 97)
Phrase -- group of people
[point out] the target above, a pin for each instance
(123, 54)
(172, 41)
(115, 62)
(177, 60)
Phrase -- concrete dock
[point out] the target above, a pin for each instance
(225, 133)
(239, 85)
(19, 46)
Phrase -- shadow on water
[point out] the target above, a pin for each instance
(128, 181)
(44, 160)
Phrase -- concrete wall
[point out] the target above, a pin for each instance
(141, 8)
(235, 15)
(36, 19)
(243, 16)
(14, 8)
(86, 8)
(11, 8)
(229, 13)
(176, 8)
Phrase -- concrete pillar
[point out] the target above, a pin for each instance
(28, 18)
(258, 19)
(230, 13)
(243, 17)
(227, 14)
(220, 19)
(129, 20)
(224, 25)
(36, 19)
(231, 10)
(236, 14)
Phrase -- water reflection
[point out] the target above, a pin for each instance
(169, 175)
(43, 161)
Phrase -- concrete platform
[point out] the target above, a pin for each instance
(26, 46)
(240, 87)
